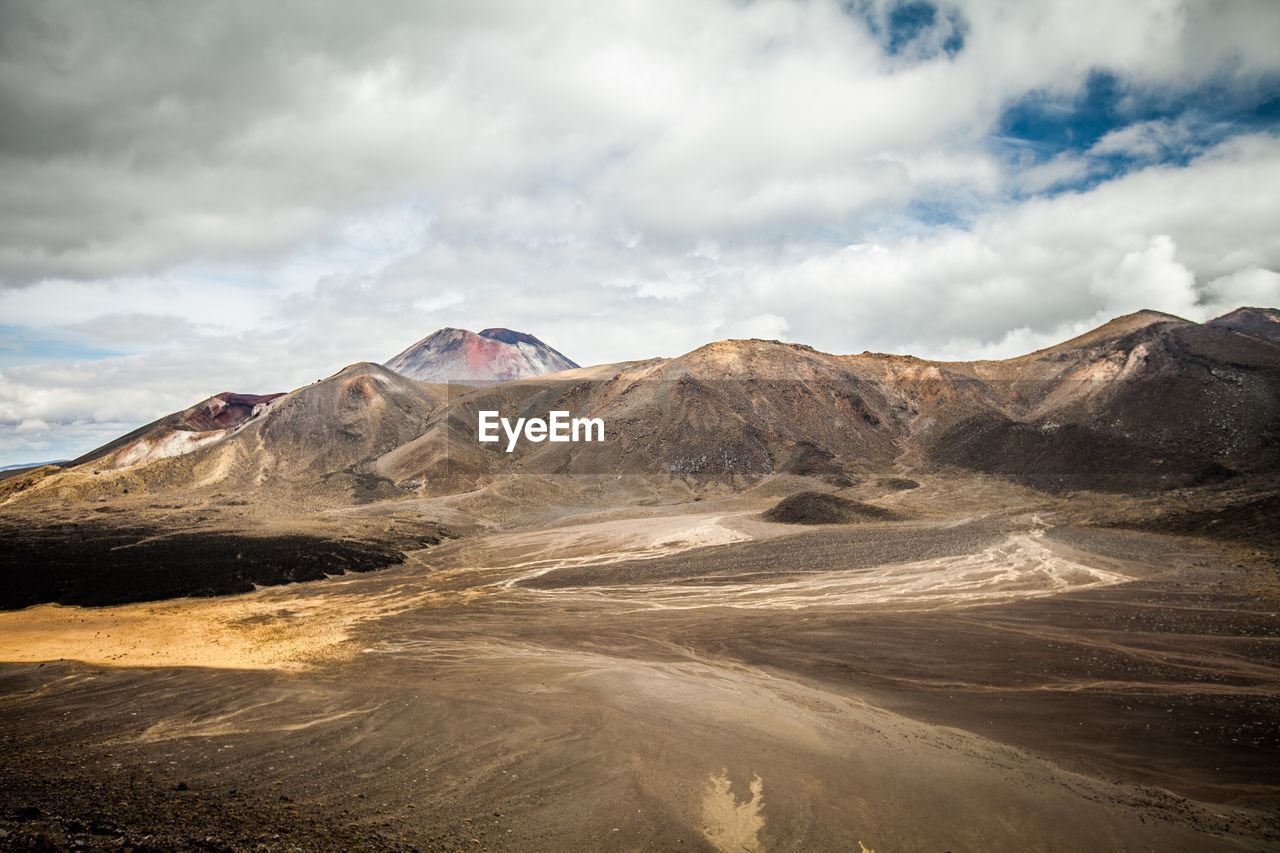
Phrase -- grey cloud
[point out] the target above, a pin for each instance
(141, 136)
(247, 196)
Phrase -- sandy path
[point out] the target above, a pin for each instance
(1024, 565)
(613, 542)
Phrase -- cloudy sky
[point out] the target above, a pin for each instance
(201, 197)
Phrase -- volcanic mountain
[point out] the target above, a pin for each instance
(730, 412)
(308, 444)
(491, 355)
(1147, 402)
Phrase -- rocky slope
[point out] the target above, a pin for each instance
(730, 412)
(310, 443)
(1261, 323)
(1147, 401)
(204, 423)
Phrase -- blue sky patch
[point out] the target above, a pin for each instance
(19, 345)
(1152, 125)
(913, 27)
(1049, 126)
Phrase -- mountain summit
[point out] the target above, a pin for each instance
(493, 354)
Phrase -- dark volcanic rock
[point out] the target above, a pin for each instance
(809, 460)
(822, 508)
(1073, 457)
(1262, 323)
(898, 484)
(99, 564)
(1251, 521)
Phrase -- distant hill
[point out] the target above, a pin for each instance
(7, 471)
(491, 355)
(1146, 402)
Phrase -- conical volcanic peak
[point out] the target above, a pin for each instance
(493, 354)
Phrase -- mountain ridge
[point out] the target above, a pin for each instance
(1144, 402)
(1262, 323)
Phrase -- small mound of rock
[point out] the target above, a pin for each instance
(898, 484)
(822, 508)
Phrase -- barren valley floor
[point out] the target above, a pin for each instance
(686, 678)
